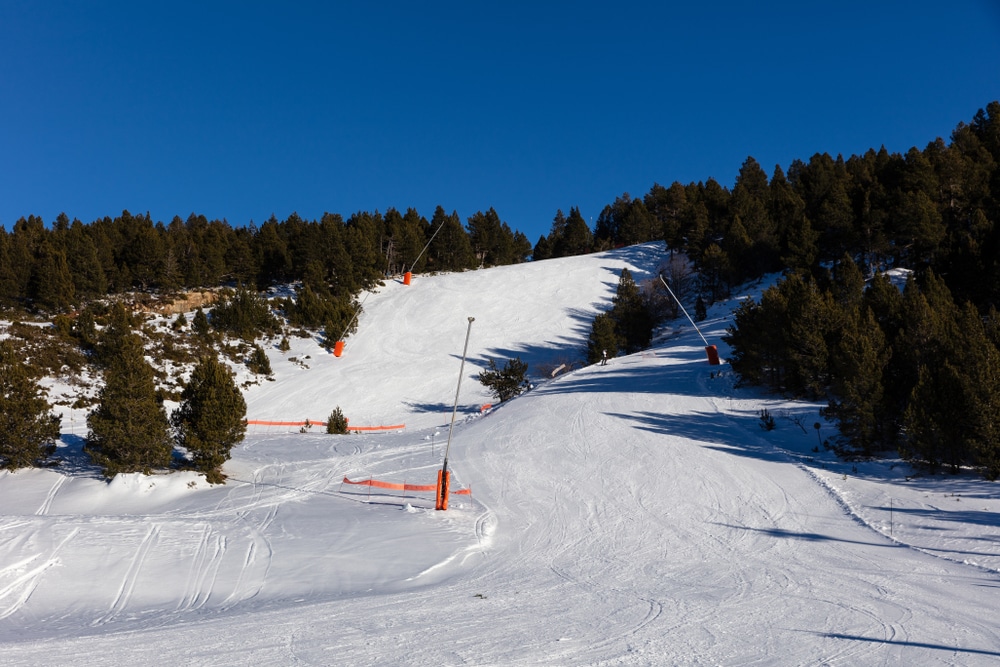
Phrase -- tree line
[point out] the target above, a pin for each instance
(915, 370)
(56, 269)
(919, 375)
(932, 209)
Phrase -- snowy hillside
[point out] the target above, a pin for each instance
(632, 514)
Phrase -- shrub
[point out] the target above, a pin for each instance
(506, 382)
(258, 362)
(336, 423)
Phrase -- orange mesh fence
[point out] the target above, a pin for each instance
(405, 487)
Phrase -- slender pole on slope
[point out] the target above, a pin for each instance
(357, 311)
(660, 276)
(442, 501)
(427, 246)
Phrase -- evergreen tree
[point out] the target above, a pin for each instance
(633, 321)
(451, 249)
(51, 285)
(28, 431)
(507, 382)
(700, 311)
(244, 313)
(129, 431)
(211, 418)
(336, 423)
(577, 239)
(603, 338)
(342, 321)
(542, 250)
(858, 362)
(848, 283)
(714, 268)
(200, 324)
(114, 336)
(667, 205)
(258, 362)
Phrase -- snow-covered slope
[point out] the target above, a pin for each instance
(632, 514)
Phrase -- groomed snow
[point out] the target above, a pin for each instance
(633, 514)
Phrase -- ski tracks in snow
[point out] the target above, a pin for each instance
(128, 584)
(14, 594)
(51, 495)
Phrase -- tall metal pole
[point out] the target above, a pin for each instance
(442, 502)
(357, 311)
(454, 409)
(440, 227)
(660, 276)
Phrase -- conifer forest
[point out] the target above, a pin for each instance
(912, 368)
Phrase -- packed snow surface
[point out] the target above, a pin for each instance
(628, 514)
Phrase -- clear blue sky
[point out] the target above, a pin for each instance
(238, 110)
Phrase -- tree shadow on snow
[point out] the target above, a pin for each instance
(716, 431)
(70, 458)
(808, 537)
(896, 642)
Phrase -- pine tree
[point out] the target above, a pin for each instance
(603, 339)
(200, 324)
(858, 362)
(211, 418)
(633, 321)
(118, 328)
(700, 311)
(28, 431)
(51, 285)
(243, 313)
(129, 431)
(577, 239)
(507, 382)
(258, 362)
(336, 423)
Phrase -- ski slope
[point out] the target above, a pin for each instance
(631, 514)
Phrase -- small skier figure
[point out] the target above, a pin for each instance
(604, 357)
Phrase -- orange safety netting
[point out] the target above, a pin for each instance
(310, 422)
(405, 487)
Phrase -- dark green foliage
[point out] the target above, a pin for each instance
(342, 321)
(258, 362)
(119, 323)
(129, 429)
(633, 320)
(766, 420)
(507, 382)
(858, 363)
(914, 372)
(336, 423)
(568, 236)
(84, 329)
(211, 418)
(51, 286)
(625, 222)
(627, 327)
(28, 431)
(200, 324)
(782, 342)
(179, 322)
(603, 339)
(243, 313)
(451, 249)
(492, 240)
(700, 311)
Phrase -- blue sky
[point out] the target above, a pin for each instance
(238, 110)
